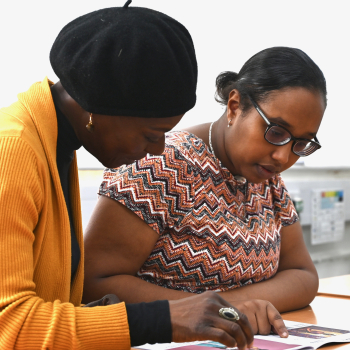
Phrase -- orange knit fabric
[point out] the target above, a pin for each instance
(39, 309)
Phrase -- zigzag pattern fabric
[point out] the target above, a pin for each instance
(216, 232)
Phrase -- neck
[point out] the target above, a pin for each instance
(76, 116)
(218, 136)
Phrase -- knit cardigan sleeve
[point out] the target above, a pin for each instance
(26, 320)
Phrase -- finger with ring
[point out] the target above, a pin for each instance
(229, 314)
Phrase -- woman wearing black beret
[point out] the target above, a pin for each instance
(127, 75)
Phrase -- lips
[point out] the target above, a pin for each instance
(270, 168)
(267, 171)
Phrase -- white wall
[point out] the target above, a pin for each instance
(225, 32)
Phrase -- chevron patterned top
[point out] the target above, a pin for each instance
(216, 231)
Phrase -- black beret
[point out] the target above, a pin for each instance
(128, 61)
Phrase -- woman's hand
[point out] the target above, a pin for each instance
(108, 299)
(197, 318)
(263, 317)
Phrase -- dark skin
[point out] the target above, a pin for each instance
(242, 147)
(117, 140)
(114, 256)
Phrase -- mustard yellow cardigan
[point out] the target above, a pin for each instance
(39, 308)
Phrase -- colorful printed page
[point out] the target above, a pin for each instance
(301, 336)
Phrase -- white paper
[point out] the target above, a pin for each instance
(301, 336)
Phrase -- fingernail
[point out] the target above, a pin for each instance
(284, 335)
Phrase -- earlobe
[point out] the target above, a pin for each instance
(90, 125)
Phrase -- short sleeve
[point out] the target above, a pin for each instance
(158, 189)
(283, 205)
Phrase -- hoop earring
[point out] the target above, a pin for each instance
(90, 125)
(228, 125)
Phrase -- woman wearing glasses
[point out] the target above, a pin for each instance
(212, 212)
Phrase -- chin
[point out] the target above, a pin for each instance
(253, 178)
(112, 164)
(118, 163)
(129, 161)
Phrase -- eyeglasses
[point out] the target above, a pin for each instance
(279, 136)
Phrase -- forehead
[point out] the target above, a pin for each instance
(298, 109)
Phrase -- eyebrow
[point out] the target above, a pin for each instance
(281, 121)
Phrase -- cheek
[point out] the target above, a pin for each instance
(250, 143)
(126, 144)
(292, 160)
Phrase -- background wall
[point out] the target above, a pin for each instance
(225, 33)
(331, 258)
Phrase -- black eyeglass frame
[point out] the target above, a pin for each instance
(315, 143)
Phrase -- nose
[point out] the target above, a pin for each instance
(156, 148)
(281, 154)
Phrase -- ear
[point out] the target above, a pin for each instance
(233, 110)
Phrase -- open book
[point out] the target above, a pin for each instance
(301, 336)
